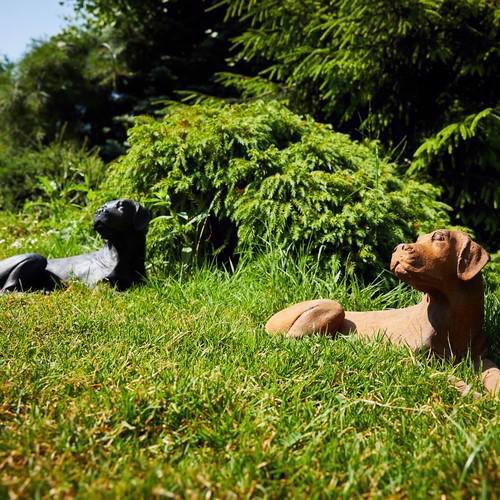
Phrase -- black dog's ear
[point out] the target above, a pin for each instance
(141, 218)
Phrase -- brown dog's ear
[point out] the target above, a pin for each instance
(141, 218)
(471, 258)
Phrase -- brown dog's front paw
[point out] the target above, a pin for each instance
(490, 377)
(463, 388)
(312, 316)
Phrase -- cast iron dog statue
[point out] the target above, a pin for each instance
(446, 266)
(122, 223)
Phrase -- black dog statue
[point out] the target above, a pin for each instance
(122, 223)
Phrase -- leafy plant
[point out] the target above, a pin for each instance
(465, 158)
(402, 72)
(263, 172)
(48, 176)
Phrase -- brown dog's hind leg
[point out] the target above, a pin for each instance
(312, 316)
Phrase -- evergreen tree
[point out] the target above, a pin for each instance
(402, 72)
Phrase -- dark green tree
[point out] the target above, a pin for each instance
(170, 49)
(122, 59)
(53, 90)
(167, 46)
(402, 72)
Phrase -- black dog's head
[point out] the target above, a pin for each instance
(120, 217)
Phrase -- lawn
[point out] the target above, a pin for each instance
(175, 390)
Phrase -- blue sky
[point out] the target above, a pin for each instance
(23, 20)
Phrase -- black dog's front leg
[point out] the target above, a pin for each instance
(25, 272)
(119, 281)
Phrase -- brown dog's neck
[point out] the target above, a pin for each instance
(457, 316)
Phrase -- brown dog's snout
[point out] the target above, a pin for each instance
(404, 252)
(402, 247)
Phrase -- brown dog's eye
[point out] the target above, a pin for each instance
(438, 237)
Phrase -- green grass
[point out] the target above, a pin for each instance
(174, 389)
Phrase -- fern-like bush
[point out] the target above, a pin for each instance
(464, 158)
(44, 172)
(260, 172)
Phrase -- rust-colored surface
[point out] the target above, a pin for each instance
(446, 266)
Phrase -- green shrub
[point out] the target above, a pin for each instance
(492, 276)
(263, 171)
(55, 174)
(404, 71)
(464, 157)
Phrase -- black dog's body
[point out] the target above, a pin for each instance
(122, 223)
(28, 269)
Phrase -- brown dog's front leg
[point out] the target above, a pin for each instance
(462, 387)
(490, 376)
(312, 316)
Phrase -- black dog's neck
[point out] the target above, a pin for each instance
(130, 256)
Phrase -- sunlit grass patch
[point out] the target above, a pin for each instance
(175, 389)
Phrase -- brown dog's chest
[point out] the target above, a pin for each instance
(428, 325)
(457, 329)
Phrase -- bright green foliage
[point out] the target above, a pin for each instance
(399, 71)
(272, 175)
(492, 278)
(55, 175)
(465, 157)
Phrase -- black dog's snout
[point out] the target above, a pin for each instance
(102, 210)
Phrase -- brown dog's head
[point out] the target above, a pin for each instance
(438, 260)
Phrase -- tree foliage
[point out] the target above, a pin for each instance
(401, 72)
(167, 46)
(388, 67)
(263, 170)
(465, 156)
(90, 79)
(55, 89)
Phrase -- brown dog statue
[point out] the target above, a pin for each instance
(446, 266)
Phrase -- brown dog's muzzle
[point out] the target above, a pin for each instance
(410, 263)
(438, 260)
(404, 257)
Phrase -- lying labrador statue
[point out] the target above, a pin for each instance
(122, 223)
(446, 266)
